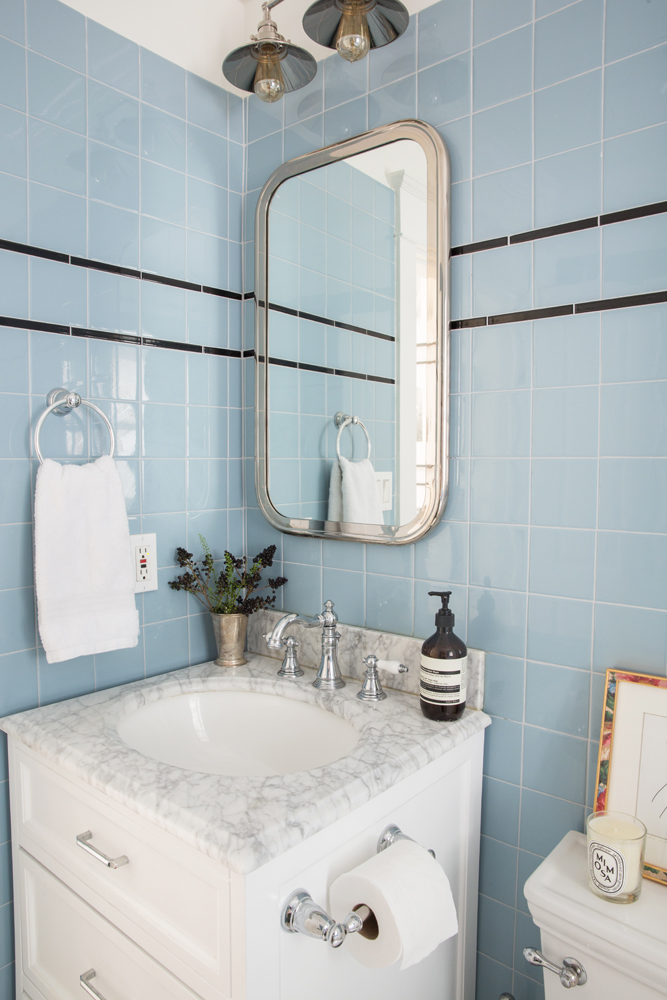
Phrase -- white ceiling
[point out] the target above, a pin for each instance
(198, 34)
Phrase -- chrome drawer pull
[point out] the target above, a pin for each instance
(84, 983)
(83, 840)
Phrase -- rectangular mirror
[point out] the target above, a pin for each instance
(352, 338)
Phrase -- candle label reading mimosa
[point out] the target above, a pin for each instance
(607, 868)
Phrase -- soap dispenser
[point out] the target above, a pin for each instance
(444, 660)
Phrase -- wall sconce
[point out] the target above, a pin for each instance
(270, 66)
(353, 27)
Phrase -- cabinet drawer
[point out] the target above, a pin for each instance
(63, 938)
(172, 901)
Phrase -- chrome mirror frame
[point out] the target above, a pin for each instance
(438, 313)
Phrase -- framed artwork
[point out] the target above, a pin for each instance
(632, 762)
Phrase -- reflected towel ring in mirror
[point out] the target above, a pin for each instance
(62, 401)
(343, 420)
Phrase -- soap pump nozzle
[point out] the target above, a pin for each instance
(444, 617)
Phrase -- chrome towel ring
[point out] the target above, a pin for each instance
(62, 401)
(343, 420)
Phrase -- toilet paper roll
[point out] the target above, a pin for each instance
(411, 898)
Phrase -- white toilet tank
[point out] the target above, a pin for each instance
(623, 948)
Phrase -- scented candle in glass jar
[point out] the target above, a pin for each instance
(616, 845)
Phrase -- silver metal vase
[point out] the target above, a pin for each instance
(230, 632)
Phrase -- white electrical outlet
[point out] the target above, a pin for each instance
(144, 560)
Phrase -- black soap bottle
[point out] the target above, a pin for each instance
(442, 684)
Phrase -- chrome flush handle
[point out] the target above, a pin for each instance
(84, 983)
(83, 840)
(571, 973)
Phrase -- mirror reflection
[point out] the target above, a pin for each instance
(349, 356)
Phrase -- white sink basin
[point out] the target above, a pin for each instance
(237, 733)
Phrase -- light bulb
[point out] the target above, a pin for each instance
(269, 82)
(353, 39)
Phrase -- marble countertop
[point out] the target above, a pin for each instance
(243, 822)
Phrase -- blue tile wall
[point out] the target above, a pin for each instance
(552, 542)
(552, 535)
(117, 134)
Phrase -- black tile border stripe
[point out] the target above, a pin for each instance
(521, 317)
(126, 272)
(98, 265)
(501, 241)
(119, 338)
(633, 213)
(33, 324)
(645, 299)
(546, 312)
(566, 227)
(159, 279)
(62, 258)
(338, 324)
(609, 218)
(302, 366)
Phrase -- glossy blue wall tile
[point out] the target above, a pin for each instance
(635, 93)
(112, 58)
(568, 114)
(503, 68)
(12, 74)
(562, 562)
(57, 157)
(14, 207)
(569, 42)
(443, 29)
(559, 631)
(632, 174)
(57, 31)
(56, 94)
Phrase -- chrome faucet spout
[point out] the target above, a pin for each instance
(274, 639)
(329, 675)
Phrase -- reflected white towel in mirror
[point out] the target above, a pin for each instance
(353, 493)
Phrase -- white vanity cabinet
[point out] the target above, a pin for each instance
(175, 921)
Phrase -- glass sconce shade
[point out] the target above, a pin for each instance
(352, 27)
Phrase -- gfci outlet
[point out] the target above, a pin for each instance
(144, 560)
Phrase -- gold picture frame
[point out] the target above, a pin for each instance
(632, 760)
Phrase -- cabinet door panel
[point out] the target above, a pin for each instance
(63, 938)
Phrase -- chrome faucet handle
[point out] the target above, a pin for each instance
(371, 689)
(290, 666)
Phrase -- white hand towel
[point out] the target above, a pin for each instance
(353, 493)
(84, 576)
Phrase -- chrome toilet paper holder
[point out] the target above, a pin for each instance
(302, 915)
